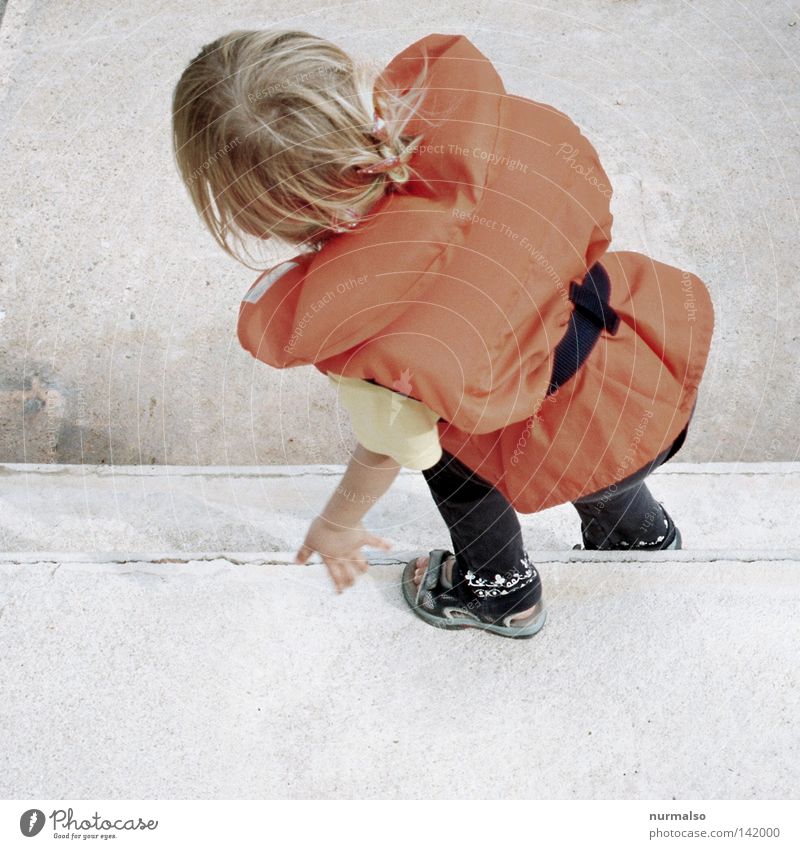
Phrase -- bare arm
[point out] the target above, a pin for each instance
(367, 477)
(337, 534)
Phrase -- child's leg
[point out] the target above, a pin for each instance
(491, 567)
(626, 515)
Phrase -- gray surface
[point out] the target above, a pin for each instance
(118, 341)
(215, 681)
(718, 507)
(155, 675)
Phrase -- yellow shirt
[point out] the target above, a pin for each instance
(388, 423)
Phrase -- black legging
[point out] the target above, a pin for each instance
(487, 537)
(626, 513)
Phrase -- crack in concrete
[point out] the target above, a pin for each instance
(655, 557)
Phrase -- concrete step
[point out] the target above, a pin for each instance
(209, 679)
(167, 674)
(724, 510)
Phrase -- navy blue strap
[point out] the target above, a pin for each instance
(591, 298)
(591, 315)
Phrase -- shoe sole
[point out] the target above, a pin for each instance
(675, 545)
(457, 623)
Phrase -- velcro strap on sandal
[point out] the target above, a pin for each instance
(430, 580)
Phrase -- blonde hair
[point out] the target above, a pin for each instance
(269, 128)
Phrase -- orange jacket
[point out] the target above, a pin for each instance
(457, 294)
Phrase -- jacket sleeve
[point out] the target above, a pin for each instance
(267, 313)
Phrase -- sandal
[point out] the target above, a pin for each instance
(439, 605)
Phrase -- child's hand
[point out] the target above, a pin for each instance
(340, 549)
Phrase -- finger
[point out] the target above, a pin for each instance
(377, 542)
(336, 571)
(348, 576)
(356, 566)
(303, 554)
(350, 572)
(353, 566)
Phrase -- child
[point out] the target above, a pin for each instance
(454, 283)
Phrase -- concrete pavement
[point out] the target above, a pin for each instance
(118, 311)
(158, 645)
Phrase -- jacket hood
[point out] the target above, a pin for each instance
(418, 224)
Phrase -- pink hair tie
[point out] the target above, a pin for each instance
(380, 131)
(350, 221)
(381, 167)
